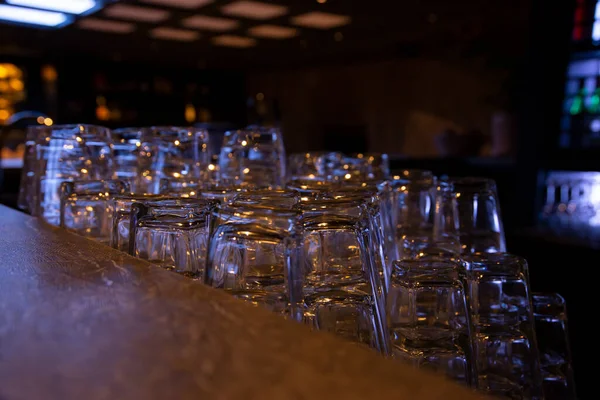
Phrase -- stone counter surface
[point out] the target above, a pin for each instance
(79, 320)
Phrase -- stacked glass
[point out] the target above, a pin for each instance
(410, 265)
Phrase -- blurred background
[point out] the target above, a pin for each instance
(505, 89)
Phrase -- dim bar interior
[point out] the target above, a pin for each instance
(508, 90)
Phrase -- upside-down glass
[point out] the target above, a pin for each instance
(412, 209)
(254, 157)
(255, 254)
(375, 166)
(467, 215)
(175, 152)
(429, 320)
(505, 342)
(173, 234)
(121, 212)
(70, 153)
(27, 189)
(379, 225)
(550, 314)
(311, 165)
(343, 292)
(85, 207)
(131, 147)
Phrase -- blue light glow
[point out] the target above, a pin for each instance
(68, 6)
(33, 17)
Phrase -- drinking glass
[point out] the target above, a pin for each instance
(254, 157)
(312, 165)
(378, 224)
(70, 153)
(255, 254)
(375, 166)
(467, 215)
(550, 314)
(131, 146)
(173, 234)
(343, 292)
(85, 207)
(429, 320)
(505, 342)
(412, 209)
(121, 217)
(175, 152)
(27, 189)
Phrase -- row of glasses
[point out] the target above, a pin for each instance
(336, 166)
(471, 318)
(251, 258)
(140, 157)
(460, 214)
(67, 153)
(145, 156)
(411, 265)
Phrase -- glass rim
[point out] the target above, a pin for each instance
(87, 187)
(470, 183)
(72, 130)
(249, 211)
(499, 263)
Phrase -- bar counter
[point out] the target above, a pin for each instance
(79, 320)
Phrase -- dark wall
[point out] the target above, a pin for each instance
(134, 94)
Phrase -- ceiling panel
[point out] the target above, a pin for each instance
(307, 30)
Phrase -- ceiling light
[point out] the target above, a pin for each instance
(180, 3)
(104, 25)
(273, 31)
(174, 34)
(67, 6)
(33, 17)
(124, 11)
(320, 20)
(210, 23)
(234, 41)
(254, 9)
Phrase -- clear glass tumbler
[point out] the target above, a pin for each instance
(505, 341)
(173, 234)
(412, 209)
(27, 189)
(85, 207)
(467, 215)
(429, 320)
(254, 157)
(175, 152)
(121, 213)
(343, 290)
(70, 153)
(131, 146)
(550, 314)
(255, 254)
